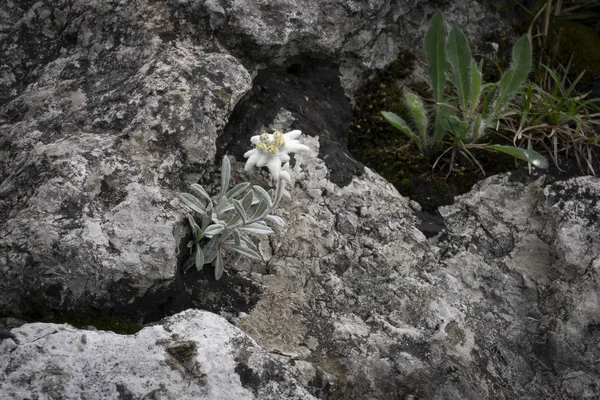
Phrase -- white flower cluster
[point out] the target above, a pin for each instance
(271, 150)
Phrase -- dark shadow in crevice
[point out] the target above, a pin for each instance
(231, 295)
(310, 89)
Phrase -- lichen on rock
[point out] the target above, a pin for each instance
(109, 109)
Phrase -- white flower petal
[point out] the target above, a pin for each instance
(255, 140)
(254, 157)
(291, 135)
(283, 157)
(250, 152)
(285, 176)
(274, 166)
(293, 146)
(263, 160)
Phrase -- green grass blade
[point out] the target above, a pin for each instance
(435, 51)
(460, 58)
(516, 75)
(399, 124)
(531, 156)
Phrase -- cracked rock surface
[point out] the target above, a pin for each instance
(191, 355)
(109, 108)
(502, 304)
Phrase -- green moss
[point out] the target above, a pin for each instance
(371, 139)
(579, 41)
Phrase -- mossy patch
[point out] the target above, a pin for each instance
(577, 45)
(379, 146)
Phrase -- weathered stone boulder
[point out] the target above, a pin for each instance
(503, 304)
(109, 108)
(527, 256)
(102, 117)
(361, 305)
(191, 355)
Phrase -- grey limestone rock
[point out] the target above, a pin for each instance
(191, 355)
(101, 118)
(501, 305)
(109, 108)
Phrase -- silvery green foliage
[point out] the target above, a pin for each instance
(228, 223)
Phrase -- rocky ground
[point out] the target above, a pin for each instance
(109, 109)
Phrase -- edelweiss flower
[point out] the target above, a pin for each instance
(271, 150)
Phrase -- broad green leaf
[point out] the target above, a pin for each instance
(459, 56)
(244, 251)
(199, 190)
(262, 194)
(210, 250)
(218, 266)
(515, 76)
(399, 124)
(214, 229)
(199, 258)
(476, 81)
(239, 208)
(195, 228)
(442, 113)
(238, 242)
(417, 109)
(187, 264)
(531, 156)
(477, 129)
(248, 200)
(237, 189)
(235, 218)
(247, 242)
(192, 202)
(207, 217)
(225, 175)
(435, 51)
(257, 228)
(223, 205)
(225, 233)
(260, 210)
(457, 128)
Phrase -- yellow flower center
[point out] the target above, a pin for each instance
(271, 148)
(271, 144)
